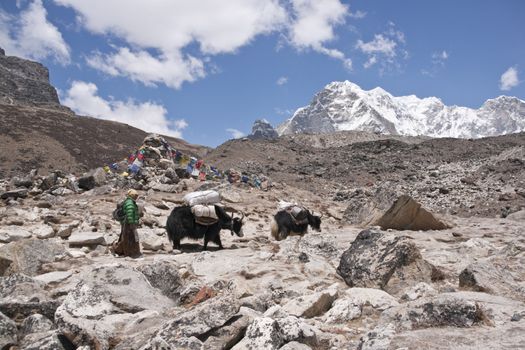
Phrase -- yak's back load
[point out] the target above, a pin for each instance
(202, 197)
(204, 214)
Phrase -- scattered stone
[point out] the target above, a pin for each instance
(13, 233)
(28, 255)
(8, 335)
(79, 239)
(15, 194)
(352, 301)
(311, 305)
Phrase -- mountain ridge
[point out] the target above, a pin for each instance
(343, 106)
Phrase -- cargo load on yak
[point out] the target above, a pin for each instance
(202, 197)
(298, 213)
(202, 205)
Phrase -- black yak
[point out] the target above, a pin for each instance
(181, 224)
(285, 224)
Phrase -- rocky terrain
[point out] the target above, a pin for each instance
(421, 247)
(345, 288)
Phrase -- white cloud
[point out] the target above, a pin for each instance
(162, 32)
(509, 79)
(386, 50)
(283, 112)
(357, 15)
(157, 34)
(380, 44)
(171, 70)
(371, 61)
(236, 134)
(32, 36)
(312, 26)
(83, 98)
(282, 81)
(439, 58)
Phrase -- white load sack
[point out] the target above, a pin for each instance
(283, 205)
(204, 211)
(202, 197)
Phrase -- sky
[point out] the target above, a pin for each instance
(205, 70)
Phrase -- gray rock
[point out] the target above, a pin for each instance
(263, 333)
(53, 277)
(352, 301)
(197, 322)
(21, 296)
(43, 231)
(88, 317)
(444, 310)
(293, 345)
(484, 276)
(379, 260)
(50, 340)
(36, 323)
(13, 233)
(86, 239)
(15, 194)
(28, 255)
(8, 335)
(163, 275)
(378, 339)
(295, 329)
(26, 182)
(311, 305)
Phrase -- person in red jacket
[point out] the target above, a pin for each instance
(128, 242)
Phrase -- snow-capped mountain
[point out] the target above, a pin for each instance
(345, 106)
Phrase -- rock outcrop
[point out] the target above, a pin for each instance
(380, 260)
(25, 82)
(261, 129)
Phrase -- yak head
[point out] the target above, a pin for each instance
(236, 225)
(314, 221)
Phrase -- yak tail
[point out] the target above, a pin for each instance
(275, 230)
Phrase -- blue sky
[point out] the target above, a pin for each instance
(205, 70)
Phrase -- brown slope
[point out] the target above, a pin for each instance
(53, 138)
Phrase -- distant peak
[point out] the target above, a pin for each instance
(343, 84)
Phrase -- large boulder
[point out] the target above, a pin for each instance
(185, 330)
(484, 276)
(89, 317)
(28, 255)
(107, 297)
(407, 214)
(21, 296)
(163, 275)
(379, 260)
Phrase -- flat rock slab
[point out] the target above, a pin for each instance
(86, 239)
(13, 233)
(53, 277)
